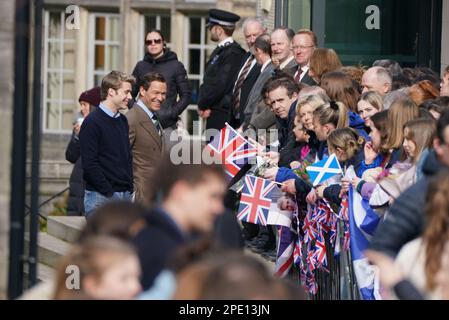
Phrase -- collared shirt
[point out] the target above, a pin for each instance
(284, 64)
(108, 111)
(225, 41)
(150, 114)
(265, 65)
(145, 108)
(304, 71)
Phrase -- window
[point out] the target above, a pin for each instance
(104, 50)
(198, 48)
(59, 96)
(160, 22)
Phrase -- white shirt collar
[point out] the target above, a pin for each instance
(108, 111)
(265, 65)
(228, 39)
(145, 108)
(284, 64)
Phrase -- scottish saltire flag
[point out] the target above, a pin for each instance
(322, 170)
(256, 200)
(285, 254)
(233, 150)
(363, 222)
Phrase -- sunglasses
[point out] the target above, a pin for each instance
(155, 41)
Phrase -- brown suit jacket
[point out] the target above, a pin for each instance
(147, 148)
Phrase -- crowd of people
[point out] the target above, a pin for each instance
(159, 230)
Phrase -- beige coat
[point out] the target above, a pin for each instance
(147, 148)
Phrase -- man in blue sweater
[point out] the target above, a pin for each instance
(105, 149)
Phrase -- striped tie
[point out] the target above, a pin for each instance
(238, 86)
(298, 75)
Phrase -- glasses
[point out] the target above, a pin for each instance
(302, 47)
(155, 41)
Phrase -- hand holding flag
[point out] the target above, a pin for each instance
(323, 170)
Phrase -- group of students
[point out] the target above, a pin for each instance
(389, 123)
(394, 139)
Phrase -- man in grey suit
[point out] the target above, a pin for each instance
(281, 48)
(303, 44)
(262, 53)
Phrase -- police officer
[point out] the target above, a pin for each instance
(215, 94)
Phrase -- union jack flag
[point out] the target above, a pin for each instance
(285, 254)
(320, 252)
(256, 200)
(233, 150)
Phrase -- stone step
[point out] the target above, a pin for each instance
(44, 272)
(65, 228)
(50, 249)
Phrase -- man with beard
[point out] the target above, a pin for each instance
(215, 94)
(145, 132)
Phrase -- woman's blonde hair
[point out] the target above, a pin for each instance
(324, 60)
(92, 257)
(421, 132)
(346, 139)
(334, 113)
(401, 111)
(312, 101)
(373, 98)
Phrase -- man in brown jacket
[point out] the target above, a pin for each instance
(146, 133)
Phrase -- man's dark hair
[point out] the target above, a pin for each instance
(281, 80)
(151, 77)
(228, 30)
(263, 43)
(167, 174)
(442, 101)
(442, 123)
(393, 66)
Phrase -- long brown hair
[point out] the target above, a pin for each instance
(436, 234)
(340, 87)
(401, 111)
(324, 60)
(421, 132)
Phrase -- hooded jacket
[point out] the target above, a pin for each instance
(177, 84)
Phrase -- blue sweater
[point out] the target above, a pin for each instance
(106, 153)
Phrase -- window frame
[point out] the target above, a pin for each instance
(60, 71)
(203, 47)
(91, 73)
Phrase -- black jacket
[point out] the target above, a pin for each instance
(247, 86)
(177, 84)
(218, 82)
(406, 218)
(155, 245)
(75, 202)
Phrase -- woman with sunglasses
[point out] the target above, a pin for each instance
(159, 58)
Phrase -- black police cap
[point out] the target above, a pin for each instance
(222, 18)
